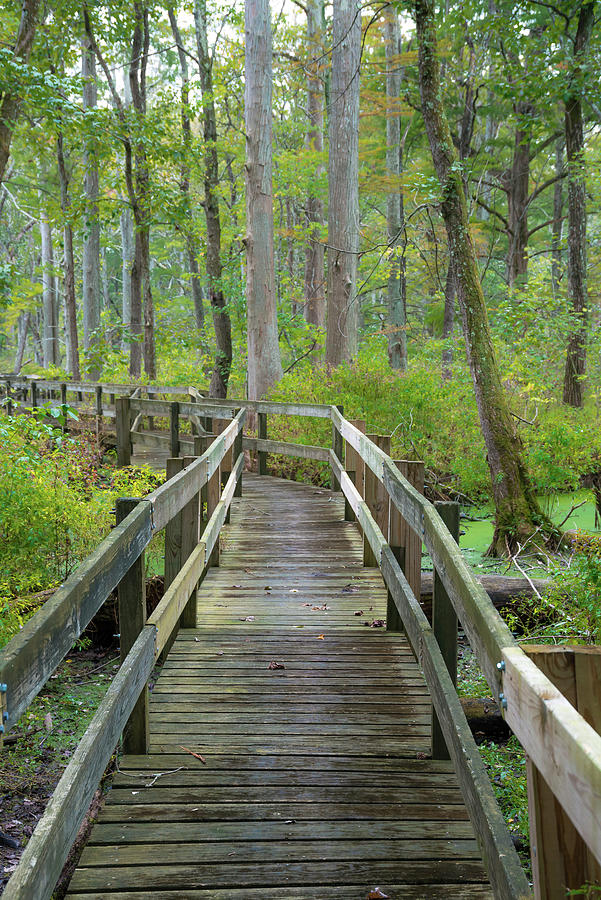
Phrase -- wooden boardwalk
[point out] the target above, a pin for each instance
(313, 729)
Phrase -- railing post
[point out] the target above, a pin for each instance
(236, 454)
(561, 861)
(132, 618)
(63, 394)
(9, 401)
(355, 468)
(262, 436)
(337, 447)
(99, 402)
(174, 428)
(404, 542)
(190, 536)
(376, 497)
(122, 426)
(444, 624)
(34, 395)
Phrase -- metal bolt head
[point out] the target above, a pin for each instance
(503, 701)
(501, 666)
(3, 688)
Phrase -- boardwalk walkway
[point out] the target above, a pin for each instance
(313, 729)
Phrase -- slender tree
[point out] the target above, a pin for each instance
(575, 368)
(264, 363)
(315, 301)
(221, 318)
(517, 512)
(91, 243)
(397, 289)
(343, 211)
(72, 340)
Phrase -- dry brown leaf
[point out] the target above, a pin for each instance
(276, 665)
(247, 619)
(195, 755)
(320, 637)
(377, 894)
(359, 612)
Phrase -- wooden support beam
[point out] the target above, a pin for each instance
(376, 498)
(444, 625)
(213, 495)
(123, 424)
(561, 861)
(174, 428)
(262, 435)
(99, 408)
(355, 468)
(131, 594)
(338, 448)
(190, 535)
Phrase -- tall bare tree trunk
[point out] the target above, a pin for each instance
(22, 328)
(10, 102)
(264, 363)
(91, 243)
(397, 309)
(557, 225)
(127, 253)
(315, 300)
(221, 318)
(71, 337)
(343, 213)
(192, 246)
(49, 305)
(517, 512)
(517, 187)
(575, 368)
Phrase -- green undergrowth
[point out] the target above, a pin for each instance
(57, 498)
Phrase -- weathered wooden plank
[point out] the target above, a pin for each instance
(33, 654)
(304, 451)
(310, 873)
(49, 845)
(334, 892)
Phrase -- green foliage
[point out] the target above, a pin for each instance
(56, 503)
(506, 767)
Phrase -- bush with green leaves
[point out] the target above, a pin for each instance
(56, 503)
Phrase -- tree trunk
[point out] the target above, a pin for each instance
(264, 363)
(315, 301)
(192, 247)
(22, 327)
(49, 339)
(517, 198)
(221, 318)
(91, 243)
(575, 368)
(397, 311)
(9, 102)
(127, 254)
(557, 225)
(517, 512)
(71, 337)
(343, 213)
(448, 322)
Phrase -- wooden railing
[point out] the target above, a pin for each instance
(33, 655)
(395, 518)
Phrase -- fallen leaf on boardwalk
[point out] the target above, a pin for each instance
(276, 665)
(293, 591)
(359, 612)
(237, 586)
(307, 604)
(267, 588)
(320, 637)
(316, 608)
(377, 894)
(249, 571)
(197, 640)
(195, 755)
(378, 623)
(247, 619)
(350, 589)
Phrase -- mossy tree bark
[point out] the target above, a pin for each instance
(575, 369)
(518, 515)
